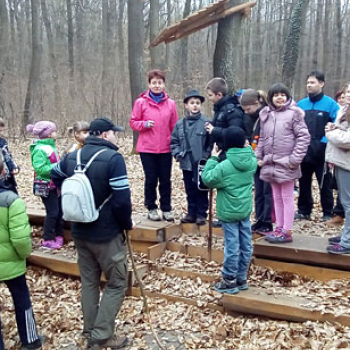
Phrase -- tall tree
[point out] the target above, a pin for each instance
(186, 81)
(227, 41)
(157, 59)
(4, 42)
(79, 21)
(292, 43)
(135, 45)
(70, 47)
(338, 66)
(34, 76)
(105, 55)
(319, 16)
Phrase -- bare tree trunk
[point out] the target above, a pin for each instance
(338, 66)
(327, 8)
(157, 59)
(70, 48)
(52, 55)
(4, 49)
(229, 31)
(169, 21)
(319, 16)
(292, 43)
(105, 53)
(186, 80)
(34, 75)
(135, 45)
(79, 20)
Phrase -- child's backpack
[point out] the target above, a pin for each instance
(78, 202)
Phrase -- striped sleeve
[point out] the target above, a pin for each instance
(119, 183)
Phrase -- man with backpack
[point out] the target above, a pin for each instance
(101, 243)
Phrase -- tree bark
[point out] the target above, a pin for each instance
(105, 54)
(79, 21)
(227, 41)
(157, 59)
(186, 80)
(338, 74)
(4, 49)
(34, 76)
(135, 46)
(70, 48)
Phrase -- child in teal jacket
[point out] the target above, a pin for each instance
(15, 246)
(44, 156)
(233, 178)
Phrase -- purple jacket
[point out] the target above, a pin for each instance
(284, 139)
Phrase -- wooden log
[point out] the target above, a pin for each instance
(303, 250)
(306, 271)
(255, 301)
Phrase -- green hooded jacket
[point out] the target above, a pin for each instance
(233, 179)
(44, 155)
(15, 241)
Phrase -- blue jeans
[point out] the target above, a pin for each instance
(238, 249)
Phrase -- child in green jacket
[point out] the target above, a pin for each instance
(44, 156)
(15, 246)
(233, 178)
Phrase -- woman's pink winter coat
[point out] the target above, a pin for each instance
(284, 139)
(164, 114)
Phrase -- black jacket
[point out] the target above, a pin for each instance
(107, 174)
(228, 112)
(252, 125)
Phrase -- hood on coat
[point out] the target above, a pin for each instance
(224, 101)
(242, 158)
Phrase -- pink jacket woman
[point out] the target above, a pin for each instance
(284, 139)
(164, 114)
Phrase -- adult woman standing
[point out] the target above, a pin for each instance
(154, 116)
(338, 154)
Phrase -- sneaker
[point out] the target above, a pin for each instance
(188, 219)
(59, 240)
(326, 218)
(283, 237)
(338, 249)
(153, 215)
(201, 221)
(113, 343)
(168, 216)
(37, 344)
(217, 223)
(265, 230)
(299, 216)
(227, 286)
(256, 225)
(334, 240)
(242, 284)
(50, 244)
(335, 220)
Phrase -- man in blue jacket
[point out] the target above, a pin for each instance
(319, 110)
(101, 244)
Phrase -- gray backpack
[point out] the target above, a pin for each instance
(78, 202)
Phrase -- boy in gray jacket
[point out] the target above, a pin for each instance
(190, 143)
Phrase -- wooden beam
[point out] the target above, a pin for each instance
(155, 251)
(185, 273)
(255, 301)
(307, 271)
(304, 250)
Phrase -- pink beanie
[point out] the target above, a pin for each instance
(42, 129)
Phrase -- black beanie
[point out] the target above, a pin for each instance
(234, 137)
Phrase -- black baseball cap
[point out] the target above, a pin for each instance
(99, 125)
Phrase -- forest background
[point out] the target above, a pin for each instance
(66, 60)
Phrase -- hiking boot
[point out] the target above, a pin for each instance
(256, 226)
(335, 220)
(217, 223)
(326, 218)
(299, 216)
(113, 343)
(283, 237)
(59, 240)
(334, 240)
(338, 249)
(153, 215)
(201, 221)
(50, 244)
(227, 286)
(188, 219)
(37, 344)
(168, 216)
(242, 284)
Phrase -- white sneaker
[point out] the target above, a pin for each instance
(153, 215)
(168, 216)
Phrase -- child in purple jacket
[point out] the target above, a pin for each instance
(283, 142)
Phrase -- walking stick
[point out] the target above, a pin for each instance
(210, 234)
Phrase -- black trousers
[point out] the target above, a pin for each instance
(157, 168)
(338, 209)
(305, 201)
(24, 313)
(53, 221)
(197, 201)
(263, 199)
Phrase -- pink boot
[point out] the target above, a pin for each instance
(59, 241)
(51, 244)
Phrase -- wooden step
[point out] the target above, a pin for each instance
(256, 301)
(303, 250)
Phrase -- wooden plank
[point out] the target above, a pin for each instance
(36, 216)
(216, 255)
(155, 251)
(307, 271)
(305, 250)
(186, 273)
(136, 292)
(176, 247)
(172, 232)
(147, 234)
(255, 301)
(141, 247)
